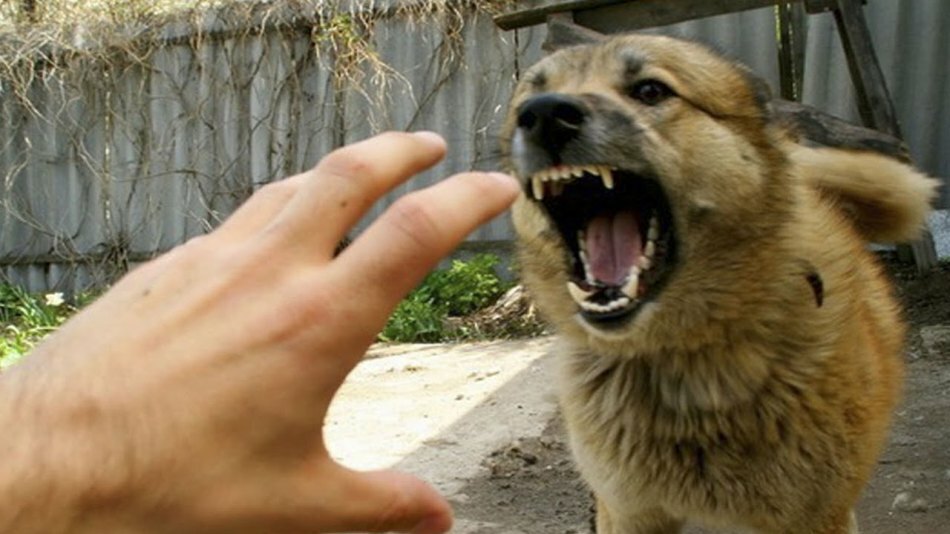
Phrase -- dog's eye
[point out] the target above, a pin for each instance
(650, 92)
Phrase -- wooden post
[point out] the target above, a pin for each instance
(791, 50)
(873, 99)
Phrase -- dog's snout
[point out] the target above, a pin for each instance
(551, 120)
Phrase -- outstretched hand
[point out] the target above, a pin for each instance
(191, 397)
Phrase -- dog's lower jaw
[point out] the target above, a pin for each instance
(629, 328)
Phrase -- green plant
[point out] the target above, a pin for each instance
(25, 319)
(463, 289)
(466, 286)
(416, 320)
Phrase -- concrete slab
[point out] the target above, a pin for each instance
(437, 410)
(940, 227)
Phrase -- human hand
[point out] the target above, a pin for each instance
(191, 397)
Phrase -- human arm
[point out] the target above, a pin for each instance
(190, 397)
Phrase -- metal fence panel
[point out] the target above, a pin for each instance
(106, 165)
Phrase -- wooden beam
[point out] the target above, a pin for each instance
(791, 49)
(819, 128)
(641, 14)
(634, 14)
(819, 6)
(532, 12)
(873, 98)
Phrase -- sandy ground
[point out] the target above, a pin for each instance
(479, 421)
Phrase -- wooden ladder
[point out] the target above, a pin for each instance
(572, 21)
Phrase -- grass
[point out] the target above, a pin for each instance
(445, 307)
(25, 319)
(464, 289)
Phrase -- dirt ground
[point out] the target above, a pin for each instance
(504, 464)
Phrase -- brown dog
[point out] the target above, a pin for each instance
(731, 350)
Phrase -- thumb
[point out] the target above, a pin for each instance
(380, 501)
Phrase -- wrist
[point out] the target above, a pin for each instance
(28, 494)
(52, 477)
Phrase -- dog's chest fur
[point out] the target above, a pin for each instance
(638, 432)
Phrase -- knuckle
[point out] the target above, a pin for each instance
(347, 164)
(278, 190)
(411, 215)
(196, 246)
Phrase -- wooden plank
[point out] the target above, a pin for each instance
(634, 14)
(874, 100)
(819, 6)
(924, 252)
(641, 14)
(791, 50)
(819, 128)
(531, 12)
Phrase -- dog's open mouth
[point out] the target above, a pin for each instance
(618, 228)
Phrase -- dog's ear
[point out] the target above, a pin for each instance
(761, 92)
(564, 32)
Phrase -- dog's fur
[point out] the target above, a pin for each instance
(755, 387)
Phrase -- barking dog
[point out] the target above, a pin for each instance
(731, 352)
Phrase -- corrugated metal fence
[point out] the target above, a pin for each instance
(107, 163)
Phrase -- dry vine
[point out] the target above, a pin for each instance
(149, 121)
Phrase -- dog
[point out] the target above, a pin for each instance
(730, 350)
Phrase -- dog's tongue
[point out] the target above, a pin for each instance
(613, 245)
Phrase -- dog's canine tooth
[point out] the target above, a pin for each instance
(587, 274)
(633, 283)
(654, 232)
(607, 176)
(650, 249)
(537, 186)
(577, 293)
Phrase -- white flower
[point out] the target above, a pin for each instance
(54, 299)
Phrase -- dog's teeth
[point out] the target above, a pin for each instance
(577, 293)
(537, 186)
(587, 274)
(607, 176)
(645, 263)
(633, 284)
(577, 172)
(649, 250)
(622, 302)
(654, 232)
(609, 307)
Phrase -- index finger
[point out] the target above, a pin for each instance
(346, 182)
(393, 255)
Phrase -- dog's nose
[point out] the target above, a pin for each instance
(551, 120)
